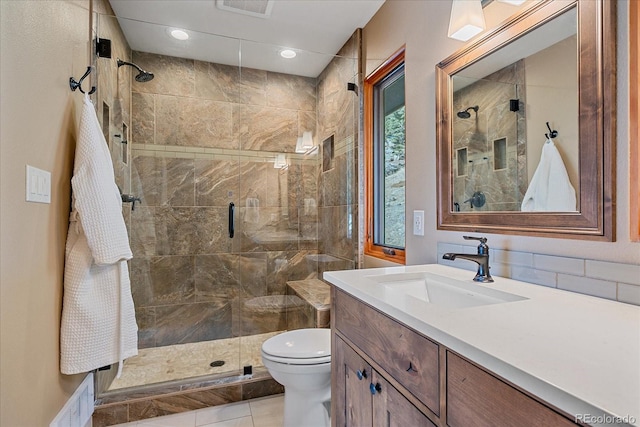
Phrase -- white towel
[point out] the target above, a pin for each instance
(98, 317)
(550, 189)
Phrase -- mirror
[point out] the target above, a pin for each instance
(537, 91)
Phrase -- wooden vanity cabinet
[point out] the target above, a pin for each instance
(477, 398)
(419, 382)
(362, 397)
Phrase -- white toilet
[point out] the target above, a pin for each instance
(300, 360)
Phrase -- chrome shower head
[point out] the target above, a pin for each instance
(142, 77)
(466, 114)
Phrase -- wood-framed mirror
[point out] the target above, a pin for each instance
(492, 140)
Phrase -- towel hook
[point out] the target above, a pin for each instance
(78, 84)
(552, 133)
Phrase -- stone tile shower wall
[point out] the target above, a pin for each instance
(503, 185)
(205, 135)
(338, 172)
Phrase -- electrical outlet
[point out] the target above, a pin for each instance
(418, 223)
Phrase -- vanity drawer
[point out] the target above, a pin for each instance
(477, 398)
(408, 357)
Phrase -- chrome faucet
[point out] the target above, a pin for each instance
(481, 258)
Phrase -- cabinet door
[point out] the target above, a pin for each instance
(392, 409)
(351, 395)
(476, 398)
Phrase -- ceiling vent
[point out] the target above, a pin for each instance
(255, 8)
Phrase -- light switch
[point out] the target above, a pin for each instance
(38, 185)
(418, 223)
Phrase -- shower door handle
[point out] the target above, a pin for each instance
(231, 222)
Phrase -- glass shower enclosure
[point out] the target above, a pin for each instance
(246, 180)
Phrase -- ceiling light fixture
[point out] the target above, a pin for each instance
(513, 2)
(466, 19)
(288, 53)
(179, 34)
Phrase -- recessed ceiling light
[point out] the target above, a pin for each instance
(179, 34)
(288, 53)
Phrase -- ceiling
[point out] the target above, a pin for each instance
(315, 29)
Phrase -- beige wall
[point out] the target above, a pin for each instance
(422, 27)
(42, 45)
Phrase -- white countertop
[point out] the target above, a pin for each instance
(579, 353)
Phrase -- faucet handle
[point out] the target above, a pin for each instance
(481, 239)
(483, 248)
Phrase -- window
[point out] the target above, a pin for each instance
(385, 160)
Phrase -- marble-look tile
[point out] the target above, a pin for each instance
(253, 184)
(338, 236)
(285, 266)
(236, 422)
(183, 402)
(253, 274)
(146, 320)
(183, 231)
(162, 280)
(163, 181)
(194, 122)
(217, 277)
(173, 76)
(253, 87)
(217, 182)
(338, 184)
(110, 415)
(291, 92)
(142, 232)
(266, 128)
(264, 229)
(184, 323)
(256, 389)
(268, 313)
(143, 118)
(217, 82)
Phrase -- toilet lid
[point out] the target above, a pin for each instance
(300, 344)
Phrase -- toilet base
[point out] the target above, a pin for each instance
(304, 409)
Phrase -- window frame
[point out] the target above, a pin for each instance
(388, 253)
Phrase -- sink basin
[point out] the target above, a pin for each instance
(440, 290)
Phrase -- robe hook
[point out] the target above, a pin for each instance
(78, 84)
(552, 133)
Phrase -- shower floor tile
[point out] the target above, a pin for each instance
(180, 361)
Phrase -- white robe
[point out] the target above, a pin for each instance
(550, 189)
(98, 317)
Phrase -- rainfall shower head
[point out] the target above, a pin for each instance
(466, 114)
(143, 76)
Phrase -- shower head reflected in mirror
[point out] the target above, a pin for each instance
(466, 114)
(143, 76)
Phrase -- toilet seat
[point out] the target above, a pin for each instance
(299, 347)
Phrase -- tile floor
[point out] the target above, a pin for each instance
(261, 412)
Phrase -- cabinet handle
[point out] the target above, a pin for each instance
(375, 387)
(361, 374)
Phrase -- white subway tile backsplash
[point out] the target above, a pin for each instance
(512, 257)
(501, 270)
(603, 279)
(629, 293)
(588, 286)
(573, 266)
(531, 275)
(626, 273)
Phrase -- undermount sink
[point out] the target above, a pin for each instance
(440, 290)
